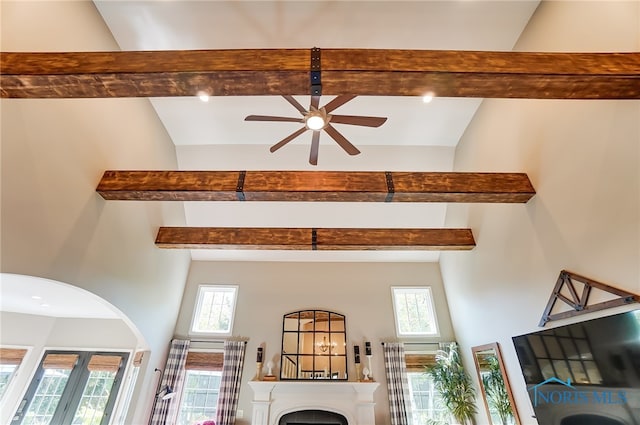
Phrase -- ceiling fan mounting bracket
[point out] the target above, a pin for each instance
(314, 74)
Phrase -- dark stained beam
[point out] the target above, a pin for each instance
(377, 72)
(342, 186)
(314, 239)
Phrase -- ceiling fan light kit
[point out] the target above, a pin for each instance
(316, 121)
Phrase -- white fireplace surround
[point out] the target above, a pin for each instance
(353, 400)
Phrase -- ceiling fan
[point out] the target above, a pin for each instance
(317, 119)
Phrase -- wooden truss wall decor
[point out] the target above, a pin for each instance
(344, 186)
(314, 239)
(580, 303)
(374, 72)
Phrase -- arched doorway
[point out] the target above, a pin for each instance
(58, 328)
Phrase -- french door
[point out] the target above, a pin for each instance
(72, 388)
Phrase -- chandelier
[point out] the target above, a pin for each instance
(325, 345)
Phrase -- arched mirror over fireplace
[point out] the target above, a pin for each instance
(314, 346)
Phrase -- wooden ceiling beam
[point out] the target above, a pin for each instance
(340, 186)
(314, 239)
(379, 72)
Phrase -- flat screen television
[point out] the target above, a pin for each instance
(586, 373)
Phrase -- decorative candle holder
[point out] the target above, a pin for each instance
(259, 363)
(356, 356)
(367, 352)
(258, 371)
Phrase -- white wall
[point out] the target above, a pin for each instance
(360, 291)
(39, 333)
(54, 152)
(583, 158)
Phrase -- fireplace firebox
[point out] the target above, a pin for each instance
(313, 403)
(312, 417)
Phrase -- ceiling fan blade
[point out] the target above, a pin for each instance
(315, 102)
(358, 120)
(295, 104)
(338, 102)
(287, 139)
(341, 140)
(270, 118)
(315, 145)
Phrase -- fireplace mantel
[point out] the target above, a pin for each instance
(272, 399)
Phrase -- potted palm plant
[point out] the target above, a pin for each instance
(454, 385)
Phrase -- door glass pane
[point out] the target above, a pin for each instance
(94, 398)
(47, 397)
(6, 372)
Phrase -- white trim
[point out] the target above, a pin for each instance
(20, 369)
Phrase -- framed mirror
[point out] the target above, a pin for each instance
(314, 346)
(494, 385)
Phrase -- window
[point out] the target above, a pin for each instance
(215, 308)
(199, 398)
(10, 359)
(427, 407)
(72, 388)
(414, 311)
(426, 404)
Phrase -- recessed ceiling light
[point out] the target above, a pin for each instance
(203, 96)
(427, 97)
(44, 305)
(36, 297)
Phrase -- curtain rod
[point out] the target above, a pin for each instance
(415, 343)
(212, 341)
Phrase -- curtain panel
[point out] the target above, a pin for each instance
(230, 384)
(397, 383)
(166, 411)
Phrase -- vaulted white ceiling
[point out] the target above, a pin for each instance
(417, 136)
